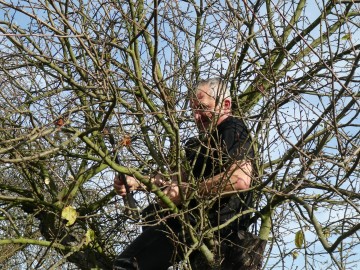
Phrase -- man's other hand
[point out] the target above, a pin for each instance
(173, 192)
(120, 188)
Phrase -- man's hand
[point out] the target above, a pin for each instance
(173, 192)
(119, 185)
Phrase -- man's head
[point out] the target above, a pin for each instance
(211, 103)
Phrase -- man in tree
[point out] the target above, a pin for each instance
(221, 168)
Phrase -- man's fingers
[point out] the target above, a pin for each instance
(120, 188)
(117, 184)
(118, 181)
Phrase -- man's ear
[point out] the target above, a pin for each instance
(227, 104)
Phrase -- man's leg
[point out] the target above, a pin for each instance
(244, 251)
(151, 250)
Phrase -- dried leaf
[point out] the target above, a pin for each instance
(261, 88)
(59, 122)
(126, 141)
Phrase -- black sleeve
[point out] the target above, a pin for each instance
(237, 143)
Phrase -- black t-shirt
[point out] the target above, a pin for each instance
(211, 154)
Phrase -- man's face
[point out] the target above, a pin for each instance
(204, 107)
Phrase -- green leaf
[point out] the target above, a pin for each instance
(47, 181)
(346, 37)
(69, 213)
(89, 236)
(217, 55)
(295, 254)
(299, 239)
(326, 233)
(62, 194)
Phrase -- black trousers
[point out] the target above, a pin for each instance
(153, 249)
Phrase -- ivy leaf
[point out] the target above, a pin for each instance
(89, 236)
(299, 239)
(69, 213)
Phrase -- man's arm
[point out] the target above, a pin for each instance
(237, 177)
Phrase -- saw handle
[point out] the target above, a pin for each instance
(131, 209)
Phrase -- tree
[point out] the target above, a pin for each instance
(74, 72)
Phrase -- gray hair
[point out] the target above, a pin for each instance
(218, 89)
